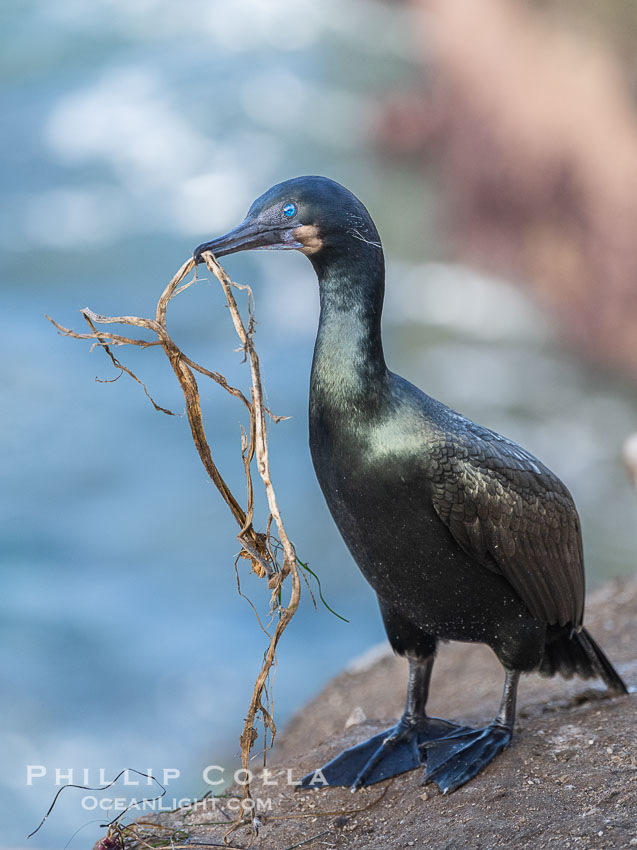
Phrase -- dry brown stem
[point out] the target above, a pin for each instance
(256, 546)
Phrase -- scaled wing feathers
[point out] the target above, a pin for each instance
(508, 511)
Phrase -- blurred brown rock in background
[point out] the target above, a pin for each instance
(527, 115)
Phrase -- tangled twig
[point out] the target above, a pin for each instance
(256, 546)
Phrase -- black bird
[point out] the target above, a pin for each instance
(463, 534)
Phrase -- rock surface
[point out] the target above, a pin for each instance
(569, 780)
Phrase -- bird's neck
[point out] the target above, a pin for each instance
(348, 370)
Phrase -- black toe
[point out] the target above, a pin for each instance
(351, 766)
(387, 754)
(456, 759)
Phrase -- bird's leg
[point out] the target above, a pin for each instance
(395, 750)
(506, 715)
(454, 759)
(417, 689)
(414, 729)
(415, 714)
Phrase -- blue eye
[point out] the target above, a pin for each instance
(289, 210)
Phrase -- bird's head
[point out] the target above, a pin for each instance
(313, 215)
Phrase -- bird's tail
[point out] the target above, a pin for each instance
(578, 654)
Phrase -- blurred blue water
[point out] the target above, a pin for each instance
(135, 131)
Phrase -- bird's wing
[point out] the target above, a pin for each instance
(514, 516)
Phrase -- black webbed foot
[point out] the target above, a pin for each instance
(387, 754)
(457, 758)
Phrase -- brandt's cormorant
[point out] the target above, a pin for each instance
(463, 534)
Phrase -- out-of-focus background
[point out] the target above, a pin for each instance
(495, 144)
